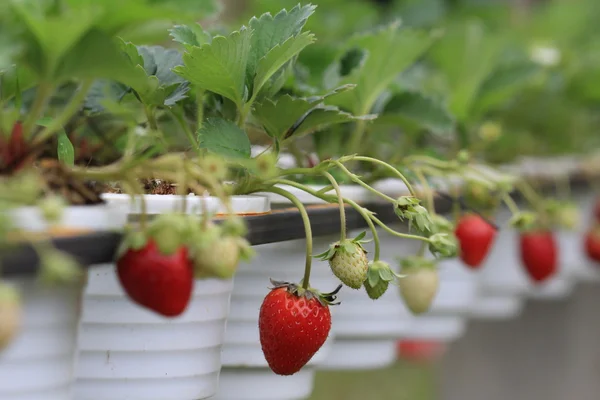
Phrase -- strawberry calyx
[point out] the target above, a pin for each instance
(409, 208)
(326, 299)
(349, 246)
(414, 263)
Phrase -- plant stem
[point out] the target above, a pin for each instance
(532, 197)
(510, 203)
(42, 96)
(200, 110)
(338, 192)
(355, 206)
(356, 180)
(428, 190)
(390, 168)
(186, 129)
(152, 123)
(429, 160)
(369, 221)
(307, 231)
(67, 113)
(357, 135)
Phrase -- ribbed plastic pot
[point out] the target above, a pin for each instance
(128, 352)
(243, 360)
(40, 363)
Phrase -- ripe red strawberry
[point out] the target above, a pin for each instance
(155, 280)
(539, 254)
(14, 150)
(420, 350)
(475, 236)
(592, 244)
(293, 324)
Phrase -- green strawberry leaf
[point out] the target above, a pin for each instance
(380, 57)
(270, 32)
(280, 116)
(275, 59)
(219, 66)
(190, 35)
(466, 55)
(15, 80)
(415, 108)
(224, 138)
(323, 116)
(65, 149)
(503, 84)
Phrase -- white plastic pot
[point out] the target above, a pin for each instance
(129, 352)
(572, 242)
(40, 362)
(243, 360)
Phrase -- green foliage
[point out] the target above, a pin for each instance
(224, 138)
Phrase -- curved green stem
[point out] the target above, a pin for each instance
(186, 129)
(152, 123)
(42, 96)
(428, 190)
(67, 113)
(510, 203)
(356, 180)
(389, 168)
(532, 197)
(307, 230)
(430, 161)
(338, 192)
(357, 135)
(354, 205)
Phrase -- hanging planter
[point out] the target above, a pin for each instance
(245, 373)
(39, 362)
(128, 351)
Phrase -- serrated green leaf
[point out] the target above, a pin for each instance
(269, 32)
(503, 84)
(279, 55)
(225, 138)
(65, 149)
(425, 112)
(219, 66)
(323, 116)
(466, 55)
(285, 116)
(389, 51)
(190, 35)
(98, 56)
(56, 34)
(103, 91)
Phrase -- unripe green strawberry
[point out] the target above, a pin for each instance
(348, 261)
(220, 260)
(420, 285)
(52, 209)
(10, 314)
(378, 279)
(59, 267)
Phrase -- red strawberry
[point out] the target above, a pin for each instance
(158, 281)
(475, 236)
(293, 324)
(420, 350)
(592, 244)
(539, 254)
(13, 152)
